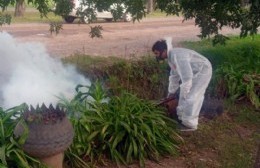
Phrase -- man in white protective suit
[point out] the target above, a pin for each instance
(192, 73)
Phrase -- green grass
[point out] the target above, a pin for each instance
(156, 14)
(234, 51)
(227, 141)
(31, 15)
(86, 61)
(235, 67)
(240, 137)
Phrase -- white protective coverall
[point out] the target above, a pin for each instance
(192, 73)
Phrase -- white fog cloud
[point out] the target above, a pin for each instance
(29, 75)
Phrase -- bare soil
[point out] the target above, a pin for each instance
(123, 39)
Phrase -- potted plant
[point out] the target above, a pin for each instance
(48, 134)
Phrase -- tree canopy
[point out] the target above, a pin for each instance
(210, 15)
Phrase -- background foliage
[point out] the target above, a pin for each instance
(141, 76)
(236, 68)
(210, 16)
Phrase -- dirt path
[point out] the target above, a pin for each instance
(119, 39)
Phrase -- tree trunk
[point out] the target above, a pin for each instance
(149, 6)
(19, 8)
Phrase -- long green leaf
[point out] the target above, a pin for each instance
(22, 161)
(126, 126)
(129, 153)
(22, 138)
(2, 154)
(135, 147)
(104, 129)
(92, 136)
(118, 138)
(3, 166)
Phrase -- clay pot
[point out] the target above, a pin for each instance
(47, 140)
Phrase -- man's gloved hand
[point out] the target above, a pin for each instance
(185, 89)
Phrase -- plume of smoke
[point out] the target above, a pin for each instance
(29, 75)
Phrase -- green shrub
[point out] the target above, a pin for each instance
(144, 76)
(124, 128)
(236, 68)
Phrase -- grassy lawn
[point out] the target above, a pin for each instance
(230, 140)
(32, 15)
